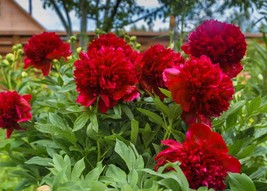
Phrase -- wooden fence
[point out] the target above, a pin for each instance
(147, 39)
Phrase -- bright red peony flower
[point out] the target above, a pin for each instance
(14, 108)
(203, 156)
(155, 60)
(201, 88)
(223, 43)
(105, 76)
(42, 49)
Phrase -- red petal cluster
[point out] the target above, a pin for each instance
(223, 43)
(201, 88)
(154, 61)
(42, 49)
(14, 108)
(203, 156)
(112, 41)
(105, 75)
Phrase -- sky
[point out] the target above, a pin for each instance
(48, 18)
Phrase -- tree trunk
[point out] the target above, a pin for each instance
(83, 36)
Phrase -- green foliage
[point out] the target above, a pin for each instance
(70, 147)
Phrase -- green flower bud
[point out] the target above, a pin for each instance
(5, 62)
(133, 38)
(10, 57)
(79, 49)
(138, 45)
(24, 74)
(1, 57)
(19, 46)
(73, 38)
(20, 51)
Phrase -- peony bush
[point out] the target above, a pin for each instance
(114, 118)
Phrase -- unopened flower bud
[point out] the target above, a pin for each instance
(138, 45)
(133, 38)
(5, 62)
(10, 57)
(24, 74)
(19, 46)
(20, 51)
(73, 38)
(79, 49)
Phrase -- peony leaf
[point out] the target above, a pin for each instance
(57, 121)
(134, 130)
(162, 107)
(152, 116)
(77, 170)
(81, 121)
(240, 182)
(130, 155)
(39, 161)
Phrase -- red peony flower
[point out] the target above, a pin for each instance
(105, 76)
(201, 89)
(109, 40)
(155, 60)
(223, 43)
(14, 108)
(42, 49)
(112, 41)
(203, 156)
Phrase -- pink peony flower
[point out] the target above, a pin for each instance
(201, 89)
(105, 76)
(14, 108)
(223, 43)
(42, 49)
(203, 156)
(155, 60)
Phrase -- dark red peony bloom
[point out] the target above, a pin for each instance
(42, 49)
(154, 61)
(105, 76)
(14, 108)
(201, 88)
(203, 156)
(223, 43)
(112, 41)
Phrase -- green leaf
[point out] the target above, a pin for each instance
(166, 92)
(176, 111)
(94, 122)
(129, 154)
(77, 170)
(152, 116)
(75, 108)
(205, 189)
(94, 174)
(134, 130)
(57, 121)
(117, 175)
(68, 87)
(127, 111)
(162, 107)
(240, 182)
(234, 108)
(39, 161)
(178, 182)
(254, 105)
(81, 121)
(133, 178)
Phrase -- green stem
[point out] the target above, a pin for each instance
(98, 151)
